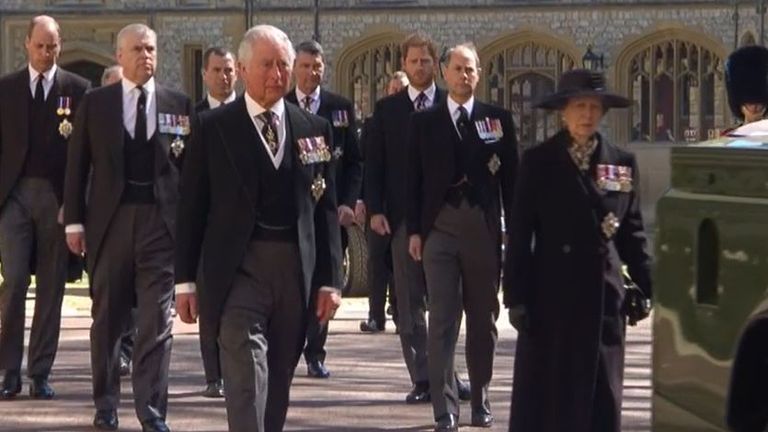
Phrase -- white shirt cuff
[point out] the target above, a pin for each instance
(74, 228)
(186, 288)
(331, 290)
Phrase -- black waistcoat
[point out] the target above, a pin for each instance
(276, 206)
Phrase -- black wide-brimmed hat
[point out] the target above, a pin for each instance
(581, 83)
(746, 77)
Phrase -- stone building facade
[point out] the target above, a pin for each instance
(666, 55)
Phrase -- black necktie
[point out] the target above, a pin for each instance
(462, 123)
(308, 103)
(140, 132)
(39, 91)
(269, 130)
(421, 102)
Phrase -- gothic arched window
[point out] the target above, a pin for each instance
(365, 70)
(518, 71)
(678, 91)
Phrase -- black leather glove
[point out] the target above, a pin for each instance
(518, 317)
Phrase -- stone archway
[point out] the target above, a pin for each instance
(518, 69)
(86, 60)
(365, 67)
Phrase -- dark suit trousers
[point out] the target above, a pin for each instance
(380, 276)
(129, 336)
(317, 334)
(411, 307)
(209, 346)
(28, 225)
(460, 264)
(262, 332)
(135, 261)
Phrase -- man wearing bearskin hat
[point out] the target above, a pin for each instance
(746, 79)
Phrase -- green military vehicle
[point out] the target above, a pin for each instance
(711, 276)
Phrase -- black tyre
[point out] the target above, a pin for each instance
(356, 263)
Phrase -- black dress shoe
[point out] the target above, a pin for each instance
(40, 389)
(481, 417)
(125, 366)
(154, 425)
(447, 423)
(371, 326)
(316, 369)
(11, 385)
(418, 394)
(214, 389)
(465, 392)
(105, 420)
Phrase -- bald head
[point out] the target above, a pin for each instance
(43, 43)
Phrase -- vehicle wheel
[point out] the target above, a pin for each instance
(356, 263)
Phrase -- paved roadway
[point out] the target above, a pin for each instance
(364, 393)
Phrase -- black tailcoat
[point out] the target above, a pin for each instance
(97, 148)
(386, 156)
(220, 189)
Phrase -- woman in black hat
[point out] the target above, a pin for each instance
(575, 220)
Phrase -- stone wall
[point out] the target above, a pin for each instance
(607, 30)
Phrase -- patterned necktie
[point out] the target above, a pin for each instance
(308, 103)
(140, 131)
(269, 130)
(421, 102)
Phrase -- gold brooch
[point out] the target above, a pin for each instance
(318, 187)
(610, 225)
(65, 128)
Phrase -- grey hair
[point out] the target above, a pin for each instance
(400, 76)
(264, 32)
(137, 29)
(109, 72)
(466, 47)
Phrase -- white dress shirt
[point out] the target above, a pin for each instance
(214, 103)
(130, 98)
(453, 108)
(47, 80)
(314, 104)
(278, 109)
(429, 93)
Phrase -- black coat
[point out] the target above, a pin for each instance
(568, 277)
(220, 189)
(432, 140)
(346, 149)
(14, 136)
(97, 148)
(14, 126)
(386, 156)
(202, 105)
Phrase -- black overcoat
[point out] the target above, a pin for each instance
(569, 360)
